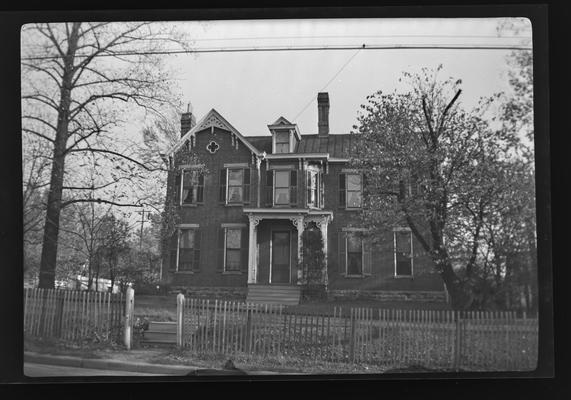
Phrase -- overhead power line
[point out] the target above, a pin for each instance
(327, 84)
(301, 48)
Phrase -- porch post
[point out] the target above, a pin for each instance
(252, 262)
(298, 223)
(323, 226)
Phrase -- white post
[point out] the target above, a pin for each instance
(179, 318)
(252, 261)
(298, 222)
(324, 223)
(129, 307)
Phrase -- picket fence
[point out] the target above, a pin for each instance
(73, 315)
(475, 340)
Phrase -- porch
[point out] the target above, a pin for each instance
(275, 252)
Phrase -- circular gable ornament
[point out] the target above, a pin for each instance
(212, 147)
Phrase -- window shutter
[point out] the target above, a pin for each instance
(196, 248)
(364, 185)
(200, 191)
(308, 187)
(177, 188)
(221, 250)
(342, 253)
(293, 188)
(342, 196)
(222, 190)
(245, 247)
(321, 191)
(246, 186)
(173, 250)
(367, 259)
(269, 188)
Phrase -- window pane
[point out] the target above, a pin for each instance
(353, 243)
(282, 196)
(282, 147)
(235, 176)
(403, 242)
(354, 199)
(185, 259)
(187, 239)
(282, 179)
(404, 266)
(353, 182)
(233, 238)
(232, 260)
(282, 137)
(235, 194)
(354, 263)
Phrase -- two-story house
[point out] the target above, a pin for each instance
(244, 206)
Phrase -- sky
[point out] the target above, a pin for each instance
(253, 89)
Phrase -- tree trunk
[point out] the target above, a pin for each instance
(51, 228)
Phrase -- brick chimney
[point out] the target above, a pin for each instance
(323, 114)
(187, 120)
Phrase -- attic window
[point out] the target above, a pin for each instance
(212, 147)
(282, 139)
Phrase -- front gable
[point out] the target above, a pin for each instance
(210, 121)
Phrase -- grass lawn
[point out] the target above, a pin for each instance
(163, 308)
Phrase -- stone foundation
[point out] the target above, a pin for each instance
(416, 296)
(214, 293)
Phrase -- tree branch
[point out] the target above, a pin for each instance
(92, 200)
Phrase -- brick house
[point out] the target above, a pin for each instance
(244, 206)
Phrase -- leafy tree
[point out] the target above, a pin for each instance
(313, 264)
(436, 168)
(78, 80)
(113, 243)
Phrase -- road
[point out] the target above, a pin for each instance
(43, 370)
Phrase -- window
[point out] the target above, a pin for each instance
(350, 190)
(188, 250)
(192, 191)
(354, 253)
(314, 189)
(233, 249)
(281, 188)
(403, 252)
(282, 141)
(235, 185)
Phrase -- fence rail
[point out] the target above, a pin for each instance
(478, 340)
(73, 315)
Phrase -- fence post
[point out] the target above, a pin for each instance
(457, 342)
(179, 318)
(129, 306)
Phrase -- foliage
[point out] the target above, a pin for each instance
(313, 264)
(442, 171)
(79, 80)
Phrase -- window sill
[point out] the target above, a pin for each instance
(355, 276)
(232, 273)
(234, 204)
(404, 277)
(186, 272)
(189, 205)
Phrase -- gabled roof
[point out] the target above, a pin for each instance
(213, 118)
(337, 146)
(282, 123)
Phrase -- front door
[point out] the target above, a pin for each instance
(280, 250)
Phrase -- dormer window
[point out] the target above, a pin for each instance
(282, 139)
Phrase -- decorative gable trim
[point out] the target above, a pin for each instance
(211, 120)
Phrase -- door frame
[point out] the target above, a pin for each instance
(272, 255)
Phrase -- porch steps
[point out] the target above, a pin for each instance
(274, 294)
(160, 333)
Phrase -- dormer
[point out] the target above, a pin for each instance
(285, 136)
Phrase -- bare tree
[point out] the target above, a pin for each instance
(78, 80)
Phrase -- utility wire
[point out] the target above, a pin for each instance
(299, 48)
(331, 80)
